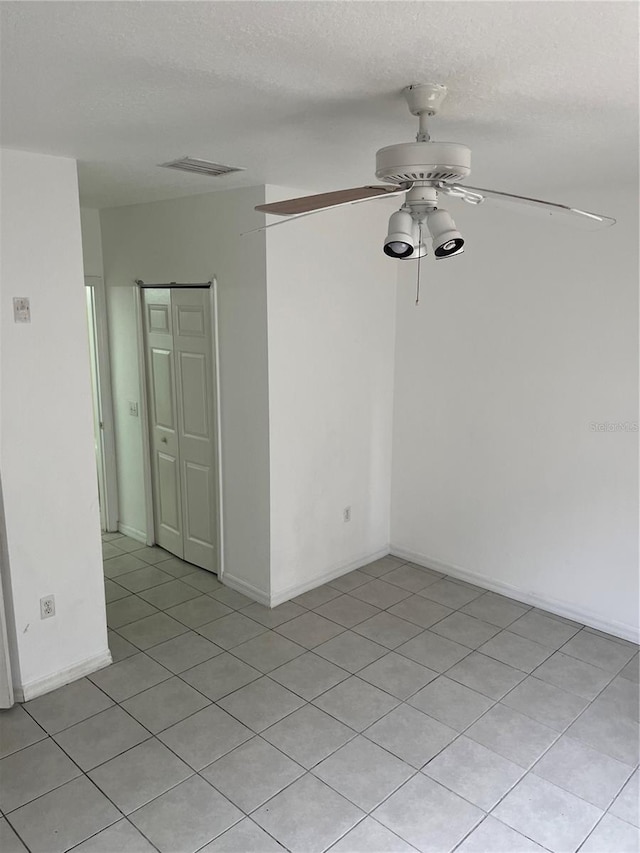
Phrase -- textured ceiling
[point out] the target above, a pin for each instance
(303, 93)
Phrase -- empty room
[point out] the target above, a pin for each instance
(309, 541)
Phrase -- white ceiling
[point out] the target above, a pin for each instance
(303, 93)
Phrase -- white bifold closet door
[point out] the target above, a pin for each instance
(180, 385)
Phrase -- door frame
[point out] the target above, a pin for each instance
(212, 287)
(106, 427)
(6, 682)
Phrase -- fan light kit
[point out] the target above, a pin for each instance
(424, 171)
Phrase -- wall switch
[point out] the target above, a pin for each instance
(47, 606)
(346, 513)
(133, 409)
(21, 309)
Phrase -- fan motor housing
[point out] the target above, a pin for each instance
(423, 161)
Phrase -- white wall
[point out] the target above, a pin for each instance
(91, 241)
(46, 448)
(306, 396)
(331, 299)
(189, 240)
(517, 348)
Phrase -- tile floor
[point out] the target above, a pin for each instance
(392, 709)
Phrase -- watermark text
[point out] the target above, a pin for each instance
(614, 426)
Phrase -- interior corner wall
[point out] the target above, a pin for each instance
(91, 242)
(46, 444)
(515, 460)
(189, 240)
(331, 305)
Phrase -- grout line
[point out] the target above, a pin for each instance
(409, 593)
(517, 831)
(245, 816)
(348, 674)
(152, 736)
(561, 734)
(387, 651)
(82, 775)
(602, 817)
(70, 849)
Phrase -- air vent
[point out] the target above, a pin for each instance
(201, 167)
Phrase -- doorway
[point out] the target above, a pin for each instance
(180, 380)
(103, 421)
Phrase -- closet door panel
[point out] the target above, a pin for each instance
(163, 416)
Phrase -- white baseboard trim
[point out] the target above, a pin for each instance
(336, 571)
(133, 533)
(560, 608)
(246, 588)
(47, 683)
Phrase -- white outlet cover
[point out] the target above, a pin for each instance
(47, 606)
(21, 309)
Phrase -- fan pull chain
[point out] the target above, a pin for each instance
(419, 259)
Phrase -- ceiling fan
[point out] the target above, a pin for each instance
(424, 172)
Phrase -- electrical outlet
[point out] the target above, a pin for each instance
(21, 309)
(346, 514)
(47, 606)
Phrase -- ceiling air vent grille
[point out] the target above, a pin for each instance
(201, 167)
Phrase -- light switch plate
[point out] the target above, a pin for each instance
(21, 309)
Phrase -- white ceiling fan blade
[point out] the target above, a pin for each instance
(572, 215)
(387, 194)
(311, 203)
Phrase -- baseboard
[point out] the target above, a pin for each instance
(336, 571)
(246, 588)
(133, 533)
(560, 608)
(39, 686)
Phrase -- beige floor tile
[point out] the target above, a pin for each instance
(140, 775)
(184, 652)
(101, 738)
(451, 703)
(411, 735)
(356, 703)
(205, 736)
(64, 817)
(32, 772)
(261, 704)
(165, 704)
(585, 772)
(307, 815)
(308, 735)
(309, 675)
(187, 817)
(246, 836)
(492, 835)
(548, 815)
(363, 773)
(121, 837)
(476, 773)
(427, 815)
(397, 675)
(68, 705)
(252, 773)
(17, 730)
(512, 735)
